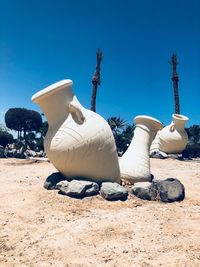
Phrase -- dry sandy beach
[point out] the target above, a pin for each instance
(42, 228)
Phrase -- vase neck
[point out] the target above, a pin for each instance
(179, 120)
(179, 123)
(56, 107)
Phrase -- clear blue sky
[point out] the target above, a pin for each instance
(44, 41)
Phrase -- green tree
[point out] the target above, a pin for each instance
(193, 134)
(122, 132)
(43, 129)
(23, 120)
(193, 147)
(96, 80)
(117, 124)
(128, 134)
(5, 137)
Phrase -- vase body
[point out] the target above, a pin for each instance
(173, 138)
(79, 142)
(135, 163)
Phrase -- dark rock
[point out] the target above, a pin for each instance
(170, 189)
(152, 177)
(175, 156)
(93, 190)
(10, 153)
(145, 190)
(113, 191)
(21, 150)
(80, 189)
(20, 153)
(52, 180)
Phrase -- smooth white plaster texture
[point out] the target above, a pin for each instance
(155, 145)
(173, 138)
(135, 163)
(79, 142)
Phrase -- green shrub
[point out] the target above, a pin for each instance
(5, 138)
(192, 151)
(40, 144)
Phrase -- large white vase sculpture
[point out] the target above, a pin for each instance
(173, 138)
(135, 163)
(79, 142)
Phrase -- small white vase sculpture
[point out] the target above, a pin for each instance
(173, 138)
(135, 163)
(79, 142)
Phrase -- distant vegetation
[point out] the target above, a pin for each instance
(5, 137)
(193, 148)
(122, 132)
(28, 125)
(23, 121)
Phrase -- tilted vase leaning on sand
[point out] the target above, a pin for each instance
(135, 163)
(79, 142)
(173, 138)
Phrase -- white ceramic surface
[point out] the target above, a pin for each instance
(135, 163)
(79, 142)
(173, 138)
(155, 145)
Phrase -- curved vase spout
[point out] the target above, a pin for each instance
(135, 163)
(79, 142)
(58, 101)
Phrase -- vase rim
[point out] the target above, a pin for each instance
(148, 118)
(51, 88)
(180, 117)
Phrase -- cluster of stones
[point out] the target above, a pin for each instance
(163, 155)
(21, 151)
(168, 190)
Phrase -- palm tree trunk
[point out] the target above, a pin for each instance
(96, 81)
(93, 98)
(175, 79)
(176, 95)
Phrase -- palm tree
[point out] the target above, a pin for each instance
(96, 81)
(128, 133)
(175, 79)
(122, 132)
(117, 124)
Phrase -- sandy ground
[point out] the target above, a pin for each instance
(42, 228)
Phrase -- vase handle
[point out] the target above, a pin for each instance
(172, 127)
(75, 111)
